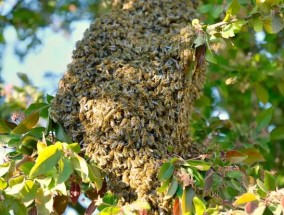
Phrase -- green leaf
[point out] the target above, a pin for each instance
(261, 93)
(4, 168)
(44, 202)
(172, 188)
(113, 210)
(95, 176)
(186, 200)
(13, 206)
(49, 98)
(200, 40)
(80, 165)
(264, 118)
(27, 124)
(42, 108)
(261, 185)
(3, 184)
(60, 134)
(277, 133)
(245, 198)
(199, 206)
(64, 170)
(15, 185)
(273, 23)
(75, 147)
(164, 186)
(234, 7)
(235, 174)
(210, 57)
(46, 160)
(269, 181)
(199, 164)
(257, 25)
(4, 128)
(109, 199)
(29, 191)
(166, 171)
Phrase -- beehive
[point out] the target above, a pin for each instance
(126, 96)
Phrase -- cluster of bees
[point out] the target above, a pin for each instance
(125, 96)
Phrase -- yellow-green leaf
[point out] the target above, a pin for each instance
(46, 160)
(199, 206)
(28, 123)
(199, 164)
(234, 7)
(245, 198)
(95, 176)
(80, 165)
(64, 170)
(269, 181)
(29, 191)
(261, 93)
(4, 128)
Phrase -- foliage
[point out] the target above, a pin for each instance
(238, 123)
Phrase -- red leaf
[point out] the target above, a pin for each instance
(143, 212)
(75, 192)
(176, 208)
(235, 156)
(32, 211)
(60, 203)
(250, 207)
(91, 208)
(282, 201)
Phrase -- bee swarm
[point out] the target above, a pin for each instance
(125, 96)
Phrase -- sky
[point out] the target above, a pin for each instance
(53, 56)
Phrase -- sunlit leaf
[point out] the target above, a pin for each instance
(273, 23)
(261, 185)
(172, 188)
(269, 181)
(80, 165)
(3, 184)
(199, 206)
(46, 160)
(28, 123)
(166, 171)
(75, 147)
(235, 156)
(245, 198)
(199, 164)
(29, 191)
(259, 210)
(111, 210)
(234, 7)
(44, 202)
